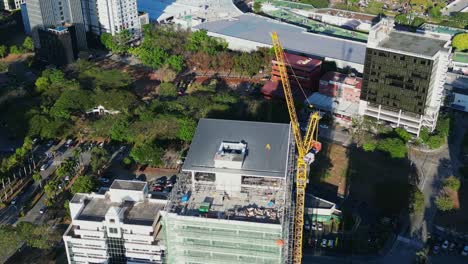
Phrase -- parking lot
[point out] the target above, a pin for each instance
(444, 243)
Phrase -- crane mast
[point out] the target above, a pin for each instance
(304, 146)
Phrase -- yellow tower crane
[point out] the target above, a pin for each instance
(307, 146)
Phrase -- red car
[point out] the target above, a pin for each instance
(157, 188)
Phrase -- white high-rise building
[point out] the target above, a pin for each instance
(122, 225)
(111, 16)
(11, 5)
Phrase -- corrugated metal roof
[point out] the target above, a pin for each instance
(267, 146)
(257, 28)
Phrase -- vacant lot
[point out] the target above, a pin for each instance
(456, 219)
(370, 179)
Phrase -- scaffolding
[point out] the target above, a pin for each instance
(206, 224)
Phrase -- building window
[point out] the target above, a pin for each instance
(112, 230)
(112, 221)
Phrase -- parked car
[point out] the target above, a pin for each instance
(436, 249)
(323, 126)
(465, 251)
(445, 244)
(452, 246)
(331, 243)
(306, 225)
(50, 143)
(314, 226)
(157, 188)
(42, 210)
(319, 226)
(324, 243)
(167, 190)
(13, 201)
(161, 180)
(69, 143)
(103, 180)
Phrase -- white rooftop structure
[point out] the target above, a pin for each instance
(333, 104)
(119, 225)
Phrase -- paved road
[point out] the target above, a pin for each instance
(33, 215)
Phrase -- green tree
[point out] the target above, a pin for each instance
(153, 57)
(435, 12)
(119, 100)
(369, 146)
(200, 41)
(435, 141)
(15, 50)
(395, 147)
(120, 130)
(444, 202)
(257, 7)
(3, 66)
(403, 134)
(107, 40)
(9, 240)
(416, 201)
(37, 178)
(168, 90)
(176, 62)
(187, 129)
(50, 189)
(460, 42)
(117, 44)
(147, 153)
(99, 158)
(452, 183)
(71, 101)
(28, 44)
(424, 134)
(3, 51)
(37, 236)
(83, 184)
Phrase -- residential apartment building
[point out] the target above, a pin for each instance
(404, 75)
(11, 4)
(110, 16)
(233, 203)
(122, 225)
(44, 14)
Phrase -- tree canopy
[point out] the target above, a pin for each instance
(83, 184)
(395, 147)
(460, 42)
(147, 153)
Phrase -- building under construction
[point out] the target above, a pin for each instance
(233, 202)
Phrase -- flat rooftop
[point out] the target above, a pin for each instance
(302, 62)
(267, 144)
(412, 43)
(296, 39)
(137, 213)
(333, 105)
(128, 185)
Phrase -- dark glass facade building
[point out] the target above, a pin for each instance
(396, 81)
(58, 46)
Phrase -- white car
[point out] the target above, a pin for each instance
(320, 226)
(324, 243)
(46, 165)
(314, 226)
(323, 126)
(445, 244)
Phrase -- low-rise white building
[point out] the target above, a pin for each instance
(120, 226)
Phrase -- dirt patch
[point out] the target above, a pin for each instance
(331, 168)
(456, 219)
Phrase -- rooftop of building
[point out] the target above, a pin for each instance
(295, 39)
(267, 147)
(128, 185)
(342, 78)
(302, 62)
(312, 201)
(412, 43)
(96, 206)
(460, 57)
(333, 105)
